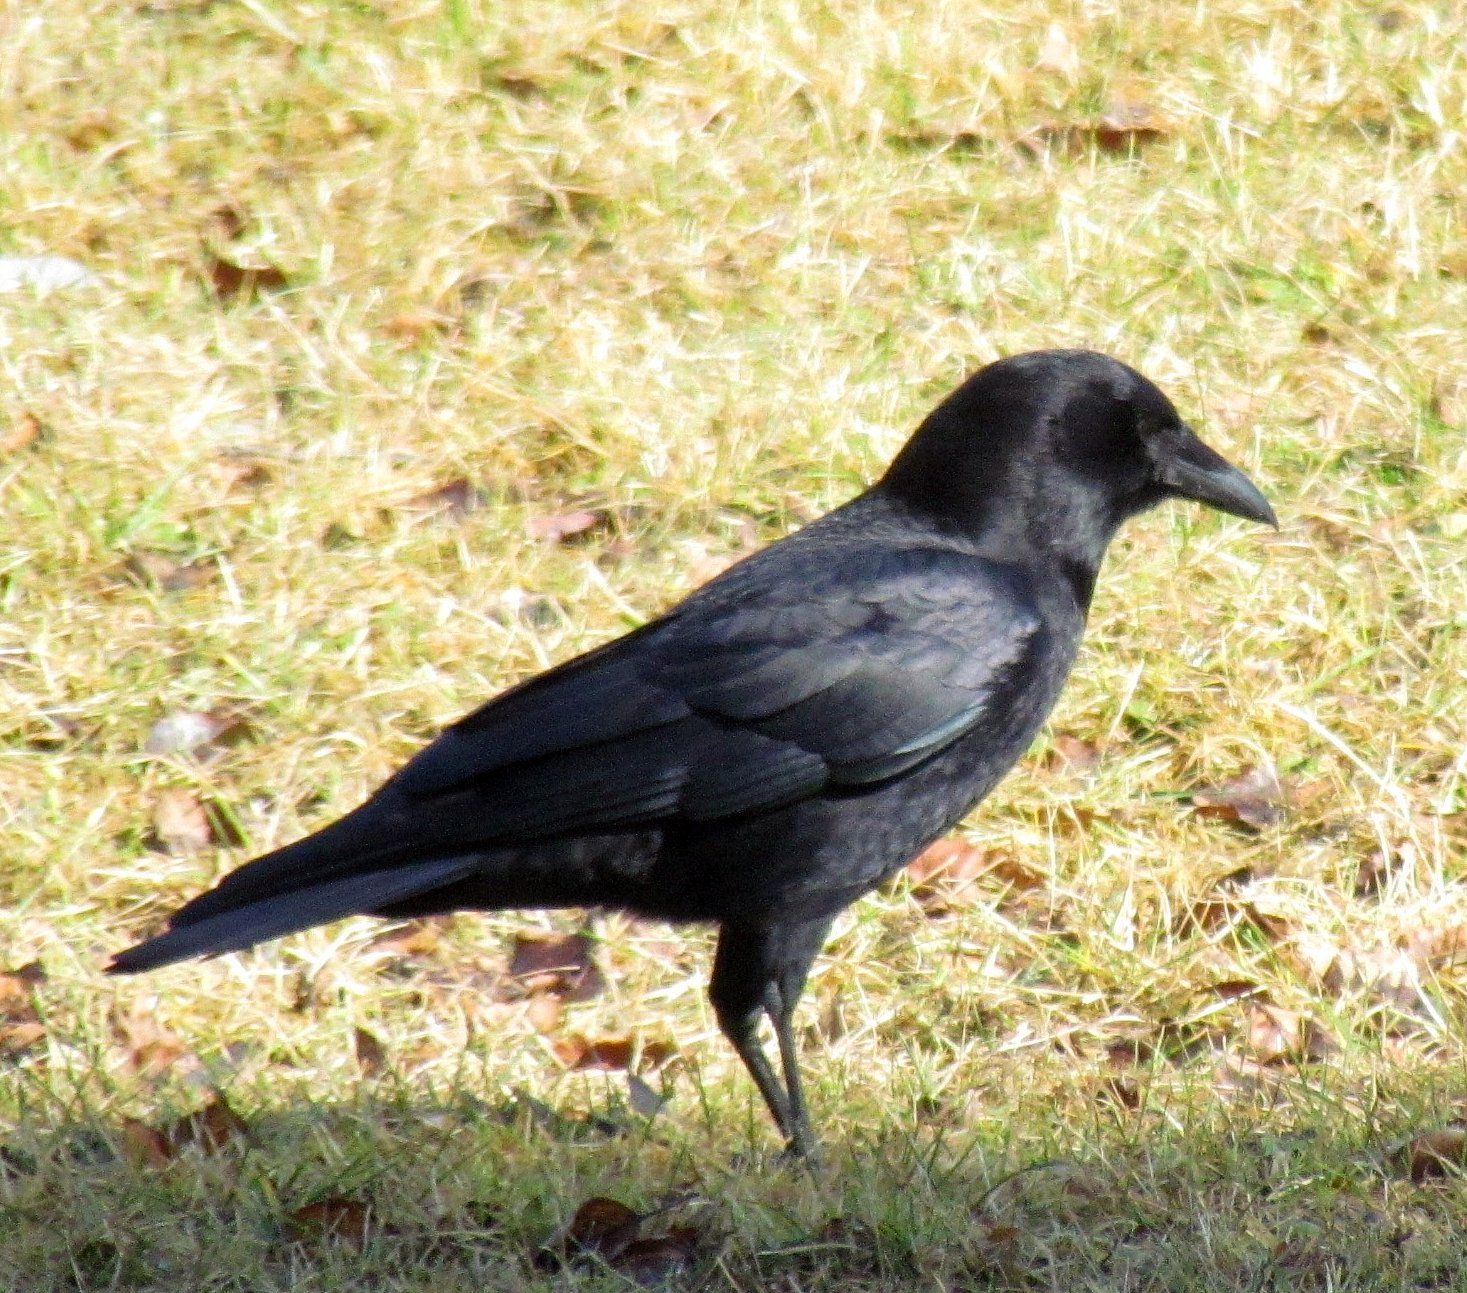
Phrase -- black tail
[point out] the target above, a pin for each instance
(285, 913)
(339, 871)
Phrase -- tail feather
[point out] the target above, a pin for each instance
(242, 926)
(362, 841)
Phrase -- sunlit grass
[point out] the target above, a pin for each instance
(700, 272)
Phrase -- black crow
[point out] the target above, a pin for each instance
(789, 735)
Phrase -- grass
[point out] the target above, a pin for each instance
(698, 274)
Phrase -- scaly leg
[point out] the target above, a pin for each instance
(761, 970)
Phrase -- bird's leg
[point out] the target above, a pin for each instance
(759, 970)
(743, 1033)
(797, 1127)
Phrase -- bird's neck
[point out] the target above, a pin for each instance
(1002, 506)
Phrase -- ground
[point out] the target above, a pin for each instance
(426, 344)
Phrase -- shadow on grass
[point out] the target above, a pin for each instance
(389, 1191)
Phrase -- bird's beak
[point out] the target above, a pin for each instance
(1189, 469)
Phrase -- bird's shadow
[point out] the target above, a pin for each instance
(390, 1181)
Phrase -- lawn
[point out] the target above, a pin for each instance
(425, 344)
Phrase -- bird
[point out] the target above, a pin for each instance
(790, 734)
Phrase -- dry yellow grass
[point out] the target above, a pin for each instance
(701, 272)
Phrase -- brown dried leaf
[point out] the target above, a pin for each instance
(1121, 1091)
(654, 1261)
(180, 823)
(232, 281)
(1129, 1052)
(1073, 756)
(188, 731)
(1435, 946)
(559, 526)
(602, 1228)
(1254, 799)
(544, 1012)
(1123, 129)
(20, 1035)
(951, 859)
(25, 430)
(610, 1053)
(347, 1221)
(454, 500)
(420, 937)
(17, 990)
(556, 963)
(1234, 989)
(370, 1052)
(151, 1048)
(243, 469)
(144, 1146)
(1434, 1153)
(211, 1127)
(159, 571)
(1278, 1036)
(945, 875)
(414, 325)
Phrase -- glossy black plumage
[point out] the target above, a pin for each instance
(791, 733)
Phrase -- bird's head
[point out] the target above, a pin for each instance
(1056, 448)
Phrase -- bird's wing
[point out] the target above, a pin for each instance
(749, 695)
(762, 689)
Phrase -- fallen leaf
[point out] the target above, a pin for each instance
(1121, 1091)
(144, 1146)
(347, 1221)
(20, 1035)
(945, 875)
(232, 281)
(17, 987)
(25, 430)
(211, 1127)
(654, 1261)
(559, 526)
(1437, 946)
(556, 963)
(243, 469)
(1129, 1052)
(609, 1053)
(951, 859)
(420, 937)
(21, 1029)
(1218, 912)
(1072, 755)
(370, 1052)
(1278, 1036)
(601, 1227)
(158, 570)
(1254, 799)
(1123, 129)
(414, 325)
(1233, 989)
(151, 1049)
(544, 1012)
(457, 499)
(180, 823)
(193, 731)
(1434, 1153)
